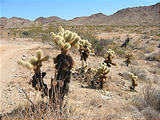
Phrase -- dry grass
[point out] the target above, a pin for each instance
(148, 102)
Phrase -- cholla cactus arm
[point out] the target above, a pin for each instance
(25, 64)
(45, 58)
(133, 76)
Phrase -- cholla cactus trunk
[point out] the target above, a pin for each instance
(128, 61)
(133, 86)
(64, 64)
(108, 61)
(84, 56)
(38, 83)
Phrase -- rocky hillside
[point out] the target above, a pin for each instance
(14, 22)
(49, 20)
(93, 19)
(146, 15)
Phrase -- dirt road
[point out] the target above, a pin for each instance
(10, 52)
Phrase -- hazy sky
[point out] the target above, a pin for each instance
(67, 9)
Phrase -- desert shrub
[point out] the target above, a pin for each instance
(148, 102)
(41, 111)
(150, 114)
(153, 57)
(142, 75)
(99, 48)
(108, 29)
(148, 49)
(158, 34)
(25, 33)
(120, 51)
(45, 38)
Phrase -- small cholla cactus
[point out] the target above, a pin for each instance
(85, 50)
(134, 79)
(65, 39)
(35, 64)
(128, 57)
(108, 58)
(101, 76)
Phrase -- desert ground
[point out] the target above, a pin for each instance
(116, 102)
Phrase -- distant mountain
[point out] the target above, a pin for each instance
(146, 15)
(93, 19)
(14, 22)
(49, 20)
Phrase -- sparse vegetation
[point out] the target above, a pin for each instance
(104, 39)
(148, 102)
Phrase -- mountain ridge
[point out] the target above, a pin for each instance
(143, 15)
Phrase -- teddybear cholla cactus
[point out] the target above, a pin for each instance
(35, 64)
(128, 58)
(65, 39)
(134, 79)
(108, 58)
(101, 76)
(85, 50)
